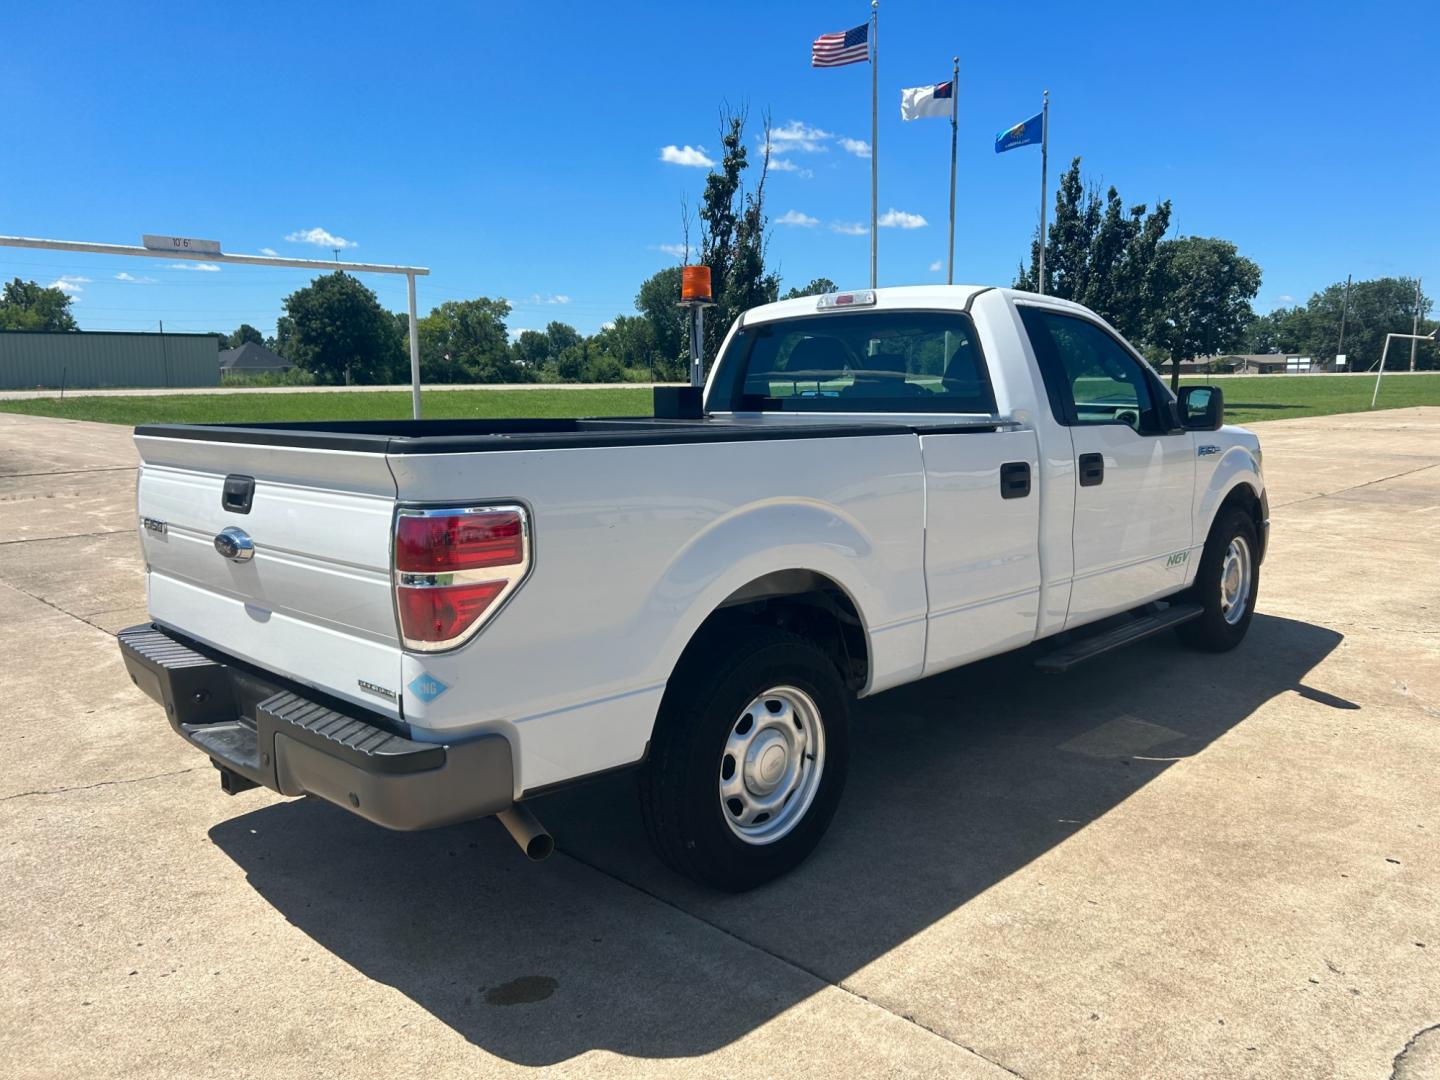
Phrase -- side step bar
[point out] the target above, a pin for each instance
(1138, 629)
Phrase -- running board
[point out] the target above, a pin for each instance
(1088, 648)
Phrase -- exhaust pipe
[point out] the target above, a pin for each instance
(527, 832)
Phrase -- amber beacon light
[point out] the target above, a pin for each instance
(694, 284)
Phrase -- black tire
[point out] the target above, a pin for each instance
(1212, 631)
(679, 785)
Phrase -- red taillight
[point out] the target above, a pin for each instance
(441, 614)
(444, 543)
(454, 569)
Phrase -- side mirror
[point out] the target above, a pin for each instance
(1201, 408)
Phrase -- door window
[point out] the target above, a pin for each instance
(1091, 377)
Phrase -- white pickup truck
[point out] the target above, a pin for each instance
(431, 621)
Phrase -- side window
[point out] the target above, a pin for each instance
(1091, 377)
(871, 361)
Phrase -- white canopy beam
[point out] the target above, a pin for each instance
(410, 272)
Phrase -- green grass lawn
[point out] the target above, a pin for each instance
(1273, 397)
(379, 405)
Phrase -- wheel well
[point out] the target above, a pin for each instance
(806, 603)
(1243, 497)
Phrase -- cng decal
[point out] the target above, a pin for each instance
(427, 687)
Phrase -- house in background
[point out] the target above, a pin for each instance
(252, 359)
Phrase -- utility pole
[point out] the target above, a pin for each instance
(1415, 326)
(1344, 310)
(164, 353)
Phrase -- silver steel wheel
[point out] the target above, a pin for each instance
(1235, 580)
(771, 766)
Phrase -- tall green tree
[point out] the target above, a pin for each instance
(733, 236)
(340, 334)
(659, 302)
(1102, 254)
(1204, 286)
(27, 305)
(466, 341)
(818, 287)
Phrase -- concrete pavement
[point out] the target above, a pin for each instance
(1163, 864)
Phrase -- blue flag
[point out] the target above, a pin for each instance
(1025, 133)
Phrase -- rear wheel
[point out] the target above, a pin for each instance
(1225, 585)
(748, 759)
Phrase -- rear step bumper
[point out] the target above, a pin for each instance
(259, 733)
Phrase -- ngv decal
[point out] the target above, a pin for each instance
(427, 687)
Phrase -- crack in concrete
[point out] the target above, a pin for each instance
(1355, 487)
(1399, 1068)
(98, 784)
(788, 962)
(61, 610)
(72, 472)
(72, 536)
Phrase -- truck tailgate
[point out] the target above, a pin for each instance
(314, 603)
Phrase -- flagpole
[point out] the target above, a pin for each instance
(1044, 165)
(954, 126)
(874, 135)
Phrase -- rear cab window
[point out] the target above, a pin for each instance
(854, 362)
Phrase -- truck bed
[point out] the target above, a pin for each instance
(471, 436)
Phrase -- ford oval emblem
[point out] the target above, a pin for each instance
(235, 544)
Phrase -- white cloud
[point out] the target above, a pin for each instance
(899, 219)
(858, 147)
(936, 266)
(69, 283)
(1285, 298)
(535, 300)
(607, 325)
(675, 250)
(515, 333)
(206, 268)
(797, 135)
(685, 155)
(133, 279)
(849, 228)
(269, 251)
(786, 165)
(320, 238)
(795, 217)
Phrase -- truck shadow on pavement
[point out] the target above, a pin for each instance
(956, 783)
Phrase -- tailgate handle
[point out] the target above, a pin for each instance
(237, 493)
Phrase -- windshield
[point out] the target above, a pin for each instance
(877, 361)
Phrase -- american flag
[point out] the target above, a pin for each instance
(836, 50)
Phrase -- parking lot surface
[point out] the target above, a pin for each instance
(1164, 864)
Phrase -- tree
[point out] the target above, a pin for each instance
(733, 232)
(244, 334)
(817, 287)
(339, 332)
(1377, 307)
(532, 349)
(561, 336)
(27, 305)
(1101, 254)
(1205, 286)
(659, 302)
(466, 341)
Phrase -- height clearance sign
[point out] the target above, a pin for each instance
(181, 243)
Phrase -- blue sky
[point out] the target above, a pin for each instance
(515, 149)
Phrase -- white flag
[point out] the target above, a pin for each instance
(922, 101)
